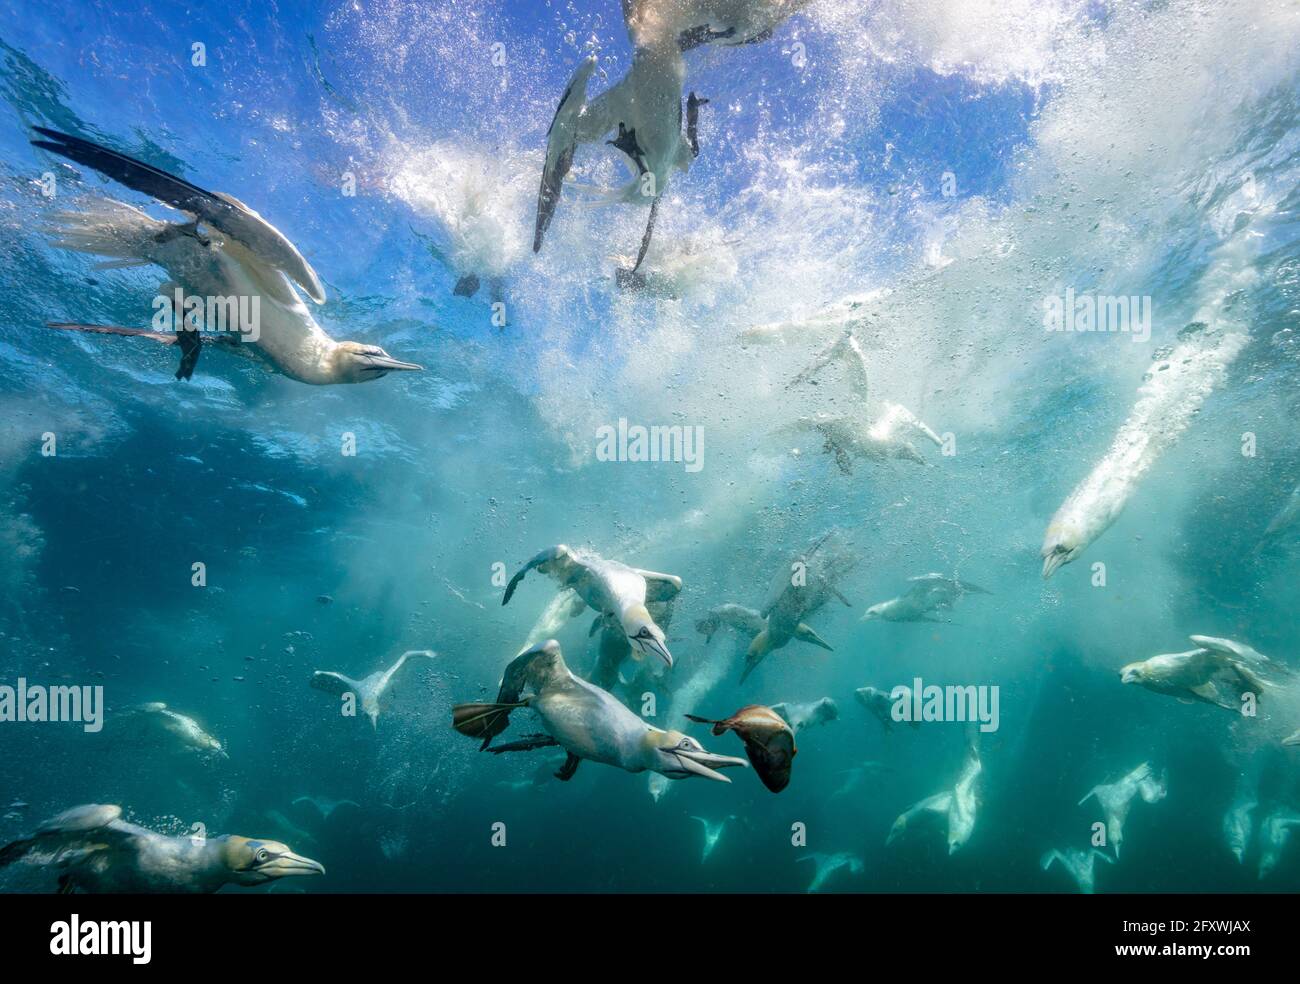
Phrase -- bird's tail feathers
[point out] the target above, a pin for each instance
(121, 233)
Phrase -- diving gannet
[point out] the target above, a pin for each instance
(239, 260)
(929, 593)
(1285, 518)
(857, 776)
(957, 807)
(1171, 393)
(1079, 864)
(1239, 825)
(644, 109)
(691, 23)
(1274, 835)
(828, 864)
(849, 316)
(97, 851)
(799, 589)
(768, 739)
(804, 716)
(752, 625)
(614, 649)
(1219, 672)
(609, 588)
(160, 725)
(874, 438)
(1116, 799)
(369, 690)
(322, 806)
(712, 834)
(587, 722)
(880, 704)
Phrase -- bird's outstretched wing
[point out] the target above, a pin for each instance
(222, 212)
(561, 141)
(389, 673)
(660, 587)
(334, 683)
(559, 562)
(530, 668)
(936, 805)
(742, 619)
(73, 833)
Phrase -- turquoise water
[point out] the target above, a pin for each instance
(950, 168)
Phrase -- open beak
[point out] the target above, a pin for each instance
(288, 864)
(386, 363)
(703, 764)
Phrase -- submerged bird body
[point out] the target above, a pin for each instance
(712, 834)
(805, 716)
(929, 593)
(1170, 395)
(644, 111)
(97, 851)
(692, 23)
(157, 723)
(1239, 827)
(765, 634)
(1079, 864)
(609, 588)
(369, 690)
(1116, 799)
(800, 589)
(870, 435)
(584, 720)
(235, 260)
(828, 864)
(957, 807)
(1274, 835)
(880, 704)
(1219, 672)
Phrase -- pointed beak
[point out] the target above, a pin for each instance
(655, 648)
(290, 864)
(386, 363)
(1053, 561)
(703, 764)
(817, 640)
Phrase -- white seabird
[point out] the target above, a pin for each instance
(225, 253)
(369, 690)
